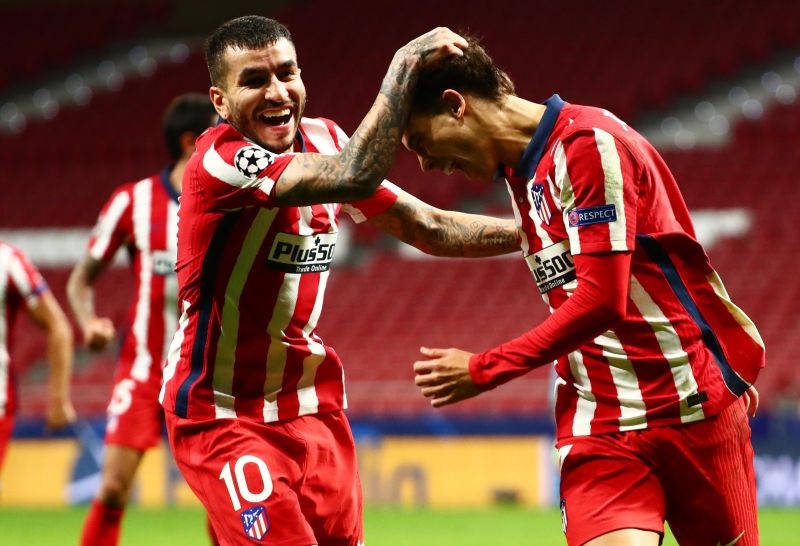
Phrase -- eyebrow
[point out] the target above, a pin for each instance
(252, 70)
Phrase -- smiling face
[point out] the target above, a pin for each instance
(450, 141)
(263, 96)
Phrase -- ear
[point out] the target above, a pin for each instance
(219, 101)
(456, 103)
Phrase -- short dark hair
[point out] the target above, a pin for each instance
(474, 73)
(190, 112)
(248, 32)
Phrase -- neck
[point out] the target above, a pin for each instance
(176, 176)
(513, 126)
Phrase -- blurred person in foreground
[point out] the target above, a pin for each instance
(254, 397)
(142, 218)
(22, 286)
(655, 364)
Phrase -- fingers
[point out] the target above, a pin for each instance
(59, 417)
(438, 44)
(427, 373)
(437, 391)
(99, 334)
(443, 401)
(454, 43)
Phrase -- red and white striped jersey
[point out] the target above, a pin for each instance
(252, 278)
(20, 283)
(142, 217)
(589, 183)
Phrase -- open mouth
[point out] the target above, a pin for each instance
(276, 118)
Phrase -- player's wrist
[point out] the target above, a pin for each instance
(477, 371)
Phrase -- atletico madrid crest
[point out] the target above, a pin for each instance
(255, 522)
(540, 203)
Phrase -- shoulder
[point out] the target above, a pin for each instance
(15, 257)
(324, 134)
(589, 121)
(128, 188)
(7, 249)
(227, 155)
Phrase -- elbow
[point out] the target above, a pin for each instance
(60, 332)
(355, 190)
(611, 311)
(76, 280)
(431, 234)
(361, 183)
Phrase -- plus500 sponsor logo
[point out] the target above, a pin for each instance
(552, 266)
(302, 253)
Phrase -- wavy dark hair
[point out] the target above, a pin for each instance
(473, 73)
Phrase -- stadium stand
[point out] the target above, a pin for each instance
(381, 310)
(70, 31)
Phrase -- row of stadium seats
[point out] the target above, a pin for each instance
(52, 35)
(623, 67)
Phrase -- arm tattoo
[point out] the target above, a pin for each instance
(448, 233)
(367, 157)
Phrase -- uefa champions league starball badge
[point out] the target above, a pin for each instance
(251, 160)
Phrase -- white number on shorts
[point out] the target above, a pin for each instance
(241, 481)
(121, 397)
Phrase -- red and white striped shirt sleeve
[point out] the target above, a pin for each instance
(114, 225)
(24, 279)
(597, 175)
(241, 173)
(379, 202)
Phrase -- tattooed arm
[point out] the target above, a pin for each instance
(447, 233)
(367, 157)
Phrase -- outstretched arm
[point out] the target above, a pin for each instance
(97, 331)
(47, 314)
(451, 375)
(447, 233)
(367, 157)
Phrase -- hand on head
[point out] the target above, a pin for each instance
(436, 45)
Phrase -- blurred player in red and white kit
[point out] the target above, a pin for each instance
(254, 397)
(654, 362)
(142, 218)
(21, 285)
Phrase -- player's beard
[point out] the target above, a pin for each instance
(284, 146)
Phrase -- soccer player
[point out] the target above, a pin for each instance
(655, 363)
(142, 218)
(254, 397)
(21, 284)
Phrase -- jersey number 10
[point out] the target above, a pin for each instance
(239, 483)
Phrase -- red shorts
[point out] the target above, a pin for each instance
(293, 483)
(6, 428)
(698, 477)
(135, 417)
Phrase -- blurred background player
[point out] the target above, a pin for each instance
(655, 363)
(21, 285)
(254, 397)
(142, 218)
